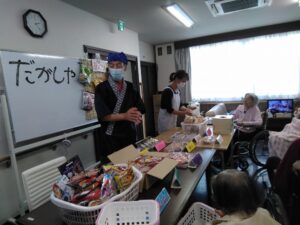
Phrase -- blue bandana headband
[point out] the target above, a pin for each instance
(121, 57)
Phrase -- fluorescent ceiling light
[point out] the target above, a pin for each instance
(179, 14)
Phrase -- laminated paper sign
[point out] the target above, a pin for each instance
(99, 65)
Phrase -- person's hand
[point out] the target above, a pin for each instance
(188, 112)
(239, 123)
(219, 212)
(133, 115)
(192, 107)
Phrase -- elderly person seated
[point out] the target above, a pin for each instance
(279, 142)
(237, 198)
(247, 118)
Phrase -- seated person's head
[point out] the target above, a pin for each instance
(235, 192)
(250, 100)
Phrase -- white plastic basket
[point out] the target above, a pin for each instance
(199, 214)
(73, 214)
(133, 213)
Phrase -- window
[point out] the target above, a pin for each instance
(266, 65)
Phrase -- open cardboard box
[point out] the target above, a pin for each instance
(159, 172)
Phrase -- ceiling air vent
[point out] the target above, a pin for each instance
(222, 7)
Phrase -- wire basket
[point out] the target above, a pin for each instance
(73, 214)
(133, 213)
(199, 214)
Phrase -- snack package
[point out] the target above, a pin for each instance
(87, 100)
(145, 163)
(57, 192)
(124, 179)
(72, 167)
(75, 180)
(193, 119)
(114, 169)
(85, 75)
(182, 158)
(108, 188)
(68, 193)
(79, 197)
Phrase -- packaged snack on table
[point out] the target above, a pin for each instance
(148, 142)
(194, 119)
(145, 163)
(194, 124)
(174, 147)
(179, 141)
(182, 158)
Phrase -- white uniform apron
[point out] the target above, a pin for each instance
(168, 120)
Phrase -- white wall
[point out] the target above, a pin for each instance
(165, 65)
(69, 28)
(146, 52)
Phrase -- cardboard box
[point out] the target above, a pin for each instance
(159, 172)
(222, 124)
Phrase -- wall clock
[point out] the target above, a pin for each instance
(35, 23)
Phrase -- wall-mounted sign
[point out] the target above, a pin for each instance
(121, 25)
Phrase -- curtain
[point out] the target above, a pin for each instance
(183, 62)
(266, 65)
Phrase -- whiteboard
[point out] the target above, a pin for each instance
(43, 94)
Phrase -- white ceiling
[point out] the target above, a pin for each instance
(155, 26)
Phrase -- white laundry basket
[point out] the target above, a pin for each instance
(73, 214)
(199, 214)
(133, 213)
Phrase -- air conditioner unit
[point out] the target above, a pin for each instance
(222, 7)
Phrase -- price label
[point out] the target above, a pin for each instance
(144, 151)
(160, 146)
(190, 146)
(163, 199)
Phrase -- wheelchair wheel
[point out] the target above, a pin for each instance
(259, 148)
(243, 164)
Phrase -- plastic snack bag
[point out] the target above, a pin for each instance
(85, 75)
(124, 179)
(108, 188)
(87, 100)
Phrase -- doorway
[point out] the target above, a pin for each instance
(149, 80)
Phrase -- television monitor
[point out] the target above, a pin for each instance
(281, 105)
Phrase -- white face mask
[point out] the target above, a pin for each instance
(181, 85)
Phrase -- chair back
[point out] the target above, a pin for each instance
(38, 182)
(283, 175)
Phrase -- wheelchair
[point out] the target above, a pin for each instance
(255, 148)
(283, 193)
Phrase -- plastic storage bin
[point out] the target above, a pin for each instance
(197, 128)
(133, 213)
(73, 214)
(199, 214)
